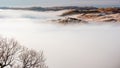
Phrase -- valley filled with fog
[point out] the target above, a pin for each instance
(65, 46)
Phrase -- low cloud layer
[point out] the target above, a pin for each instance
(70, 46)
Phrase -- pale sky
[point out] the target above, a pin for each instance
(27, 3)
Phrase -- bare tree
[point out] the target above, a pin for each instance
(8, 50)
(32, 59)
(14, 56)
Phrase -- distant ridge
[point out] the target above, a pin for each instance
(50, 8)
(57, 8)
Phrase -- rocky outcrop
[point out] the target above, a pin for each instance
(109, 20)
(69, 20)
(100, 17)
(86, 18)
(90, 15)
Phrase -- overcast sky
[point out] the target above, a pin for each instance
(27, 3)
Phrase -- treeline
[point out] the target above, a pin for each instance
(81, 9)
(51, 8)
(13, 55)
(109, 10)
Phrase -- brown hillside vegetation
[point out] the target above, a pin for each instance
(109, 10)
(70, 12)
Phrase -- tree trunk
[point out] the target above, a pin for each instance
(2, 66)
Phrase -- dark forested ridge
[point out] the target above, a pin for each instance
(50, 8)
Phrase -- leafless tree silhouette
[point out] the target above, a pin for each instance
(32, 59)
(13, 55)
(8, 50)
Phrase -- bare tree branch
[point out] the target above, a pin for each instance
(8, 49)
(32, 59)
(15, 56)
